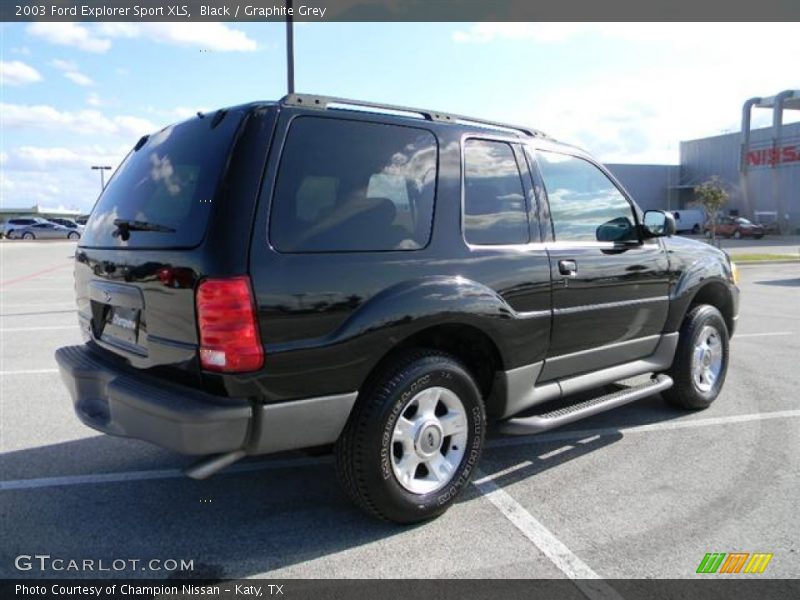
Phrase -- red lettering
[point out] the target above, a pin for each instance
(755, 158)
(790, 154)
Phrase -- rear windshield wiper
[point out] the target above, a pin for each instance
(125, 226)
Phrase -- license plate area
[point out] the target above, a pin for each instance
(121, 324)
(118, 316)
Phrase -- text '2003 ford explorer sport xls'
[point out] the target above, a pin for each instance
(317, 271)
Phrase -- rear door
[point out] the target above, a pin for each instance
(610, 289)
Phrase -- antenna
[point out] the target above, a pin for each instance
(289, 47)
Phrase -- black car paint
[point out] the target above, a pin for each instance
(326, 320)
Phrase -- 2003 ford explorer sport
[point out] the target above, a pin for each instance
(317, 271)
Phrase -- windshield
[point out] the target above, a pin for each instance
(170, 181)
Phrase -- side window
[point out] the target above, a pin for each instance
(494, 199)
(346, 186)
(585, 205)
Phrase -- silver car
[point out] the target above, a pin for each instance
(44, 231)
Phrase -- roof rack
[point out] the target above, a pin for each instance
(325, 102)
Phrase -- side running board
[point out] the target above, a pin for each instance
(593, 406)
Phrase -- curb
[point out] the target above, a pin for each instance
(751, 263)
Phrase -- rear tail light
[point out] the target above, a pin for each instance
(226, 318)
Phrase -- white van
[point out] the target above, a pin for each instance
(690, 219)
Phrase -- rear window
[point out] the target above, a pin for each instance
(169, 182)
(346, 186)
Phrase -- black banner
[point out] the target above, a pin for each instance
(713, 588)
(397, 10)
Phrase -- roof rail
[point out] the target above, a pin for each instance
(325, 102)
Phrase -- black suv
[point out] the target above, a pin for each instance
(317, 271)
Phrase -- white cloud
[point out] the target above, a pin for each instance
(46, 158)
(18, 73)
(693, 85)
(94, 100)
(70, 34)
(98, 38)
(79, 78)
(48, 118)
(71, 72)
(213, 36)
(53, 175)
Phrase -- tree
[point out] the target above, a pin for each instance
(712, 195)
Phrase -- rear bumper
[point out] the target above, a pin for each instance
(121, 401)
(115, 401)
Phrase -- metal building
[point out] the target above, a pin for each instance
(760, 167)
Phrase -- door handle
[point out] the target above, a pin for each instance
(568, 267)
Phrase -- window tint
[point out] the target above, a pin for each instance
(494, 200)
(353, 186)
(584, 204)
(170, 181)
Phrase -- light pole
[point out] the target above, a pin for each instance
(102, 174)
(289, 48)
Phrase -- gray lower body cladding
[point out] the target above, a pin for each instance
(119, 401)
(520, 389)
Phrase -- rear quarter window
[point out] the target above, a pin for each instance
(170, 181)
(350, 186)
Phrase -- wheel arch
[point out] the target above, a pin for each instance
(716, 294)
(469, 344)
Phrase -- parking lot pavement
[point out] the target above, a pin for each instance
(643, 491)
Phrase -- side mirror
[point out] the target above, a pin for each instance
(657, 223)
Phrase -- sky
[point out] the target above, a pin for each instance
(74, 95)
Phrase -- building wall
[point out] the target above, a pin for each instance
(652, 186)
(773, 183)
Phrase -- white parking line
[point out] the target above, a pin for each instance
(16, 329)
(29, 372)
(773, 333)
(563, 558)
(311, 461)
(566, 436)
(67, 303)
(93, 478)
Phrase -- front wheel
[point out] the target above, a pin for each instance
(28, 236)
(74, 235)
(701, 360)
(737, 235)
(414, 438)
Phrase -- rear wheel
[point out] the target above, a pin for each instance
(414, 438)
(701, 360)
(696, 229)
(73, 235)
(28, 236)
(737, 234)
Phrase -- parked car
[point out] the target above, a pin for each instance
(44, 231)
(390, 282)
(68, 223)
(13, 224)
(690, 219)
(736, 227)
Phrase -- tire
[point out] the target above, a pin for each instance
(73, 235)
(758, 237)
(28, 236)
(11, 235)
(702, 352)
(401, 417)
(696, 229)
(737, 235)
